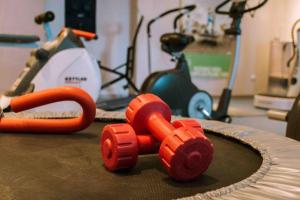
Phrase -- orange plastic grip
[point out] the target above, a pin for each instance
(84, 34)
(50, 125)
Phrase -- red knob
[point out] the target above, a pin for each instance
(184, 152)
(120, 146)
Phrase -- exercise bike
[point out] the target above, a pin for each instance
(63, 61)
(174, 86)
(200, 106)
(172, 44)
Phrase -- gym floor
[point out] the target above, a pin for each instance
(244, 113)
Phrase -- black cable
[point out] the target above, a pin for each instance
(256, 7)
(188, 8)
(178, 17)
(218, 8)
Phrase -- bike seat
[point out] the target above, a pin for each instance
(175, 42)
(19, 39)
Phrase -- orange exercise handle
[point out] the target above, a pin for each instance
(84, 34)
(50, 125)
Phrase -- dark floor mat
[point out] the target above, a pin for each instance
(70, 167)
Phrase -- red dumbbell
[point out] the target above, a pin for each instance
(118, 156)
(112, 137)
(120, 146)
(184, 152)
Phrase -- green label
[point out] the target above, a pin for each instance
(209, 65)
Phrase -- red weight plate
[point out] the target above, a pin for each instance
(186, 154)
(119, 147)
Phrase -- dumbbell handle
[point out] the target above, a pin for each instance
(158, 126)
(147, 144)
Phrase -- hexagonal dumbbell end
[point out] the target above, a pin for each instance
(188, 123)
(186, 154)
(119, 147)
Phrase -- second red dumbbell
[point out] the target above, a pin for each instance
(184, 152)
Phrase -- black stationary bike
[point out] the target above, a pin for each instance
(175, 86)
(236, 12)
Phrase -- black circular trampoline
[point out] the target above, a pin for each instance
(70, 167)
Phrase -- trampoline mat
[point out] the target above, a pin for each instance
(70, 167)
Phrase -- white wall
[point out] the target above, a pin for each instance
(16, 17)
